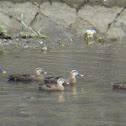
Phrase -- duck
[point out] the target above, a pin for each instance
(29, 77)
(119, 85)
(53, 87)
(3, 71)
(71, 79)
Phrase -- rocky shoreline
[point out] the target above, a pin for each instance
(62, 21)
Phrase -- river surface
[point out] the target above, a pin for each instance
(91, 102)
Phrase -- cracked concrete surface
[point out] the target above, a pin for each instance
(65, 20)
(61, 14)
(100, 18)
(12, 11)
(117, 28)
(117, 15)
(111, 3)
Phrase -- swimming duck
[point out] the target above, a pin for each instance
(119, 85)
(71, 79)
(29, 77)
(3, 71)
(53, 87)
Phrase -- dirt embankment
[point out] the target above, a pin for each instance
(64, 21)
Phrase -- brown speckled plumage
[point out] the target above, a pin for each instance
(71, 79)
(28, 77)
(119, 85)
(53, 87)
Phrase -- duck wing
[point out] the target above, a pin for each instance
(19, 77)
(48, 87)
(51, 79)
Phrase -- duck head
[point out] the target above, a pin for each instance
(75, 73)
(60, 81)
(3, 71)
(40, 70)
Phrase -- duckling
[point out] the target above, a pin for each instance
(3, 71)
(119, 85)
(53, 87)
(71, 79)
(29, 77)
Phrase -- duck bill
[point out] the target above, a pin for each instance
(45, 72)
(81, 74)
(4, 72)
(67, 83)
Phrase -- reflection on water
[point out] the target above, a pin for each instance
(61, 97)
(92, 101)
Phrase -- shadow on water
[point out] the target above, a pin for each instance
(92, 101)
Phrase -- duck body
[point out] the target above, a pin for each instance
(71, 79)
(53, 87)
(28, 77)
(53, 79)
(25, 77)
(119, 85)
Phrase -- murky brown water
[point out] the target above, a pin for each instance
(92, 102)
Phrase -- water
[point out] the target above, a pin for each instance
(92, 102)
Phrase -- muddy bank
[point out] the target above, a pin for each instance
(63, 22)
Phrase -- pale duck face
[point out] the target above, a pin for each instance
(74, 73)
(60, 81)
(39, 70)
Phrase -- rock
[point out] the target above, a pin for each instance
(60, 13)
(80, 26)
(110, 3)
(63, 23)
(75, 3)
(115, 33)
(54, 32)
(103, 17)
(117, 28)
(95, 2)
(22, 1)
(15, 10)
